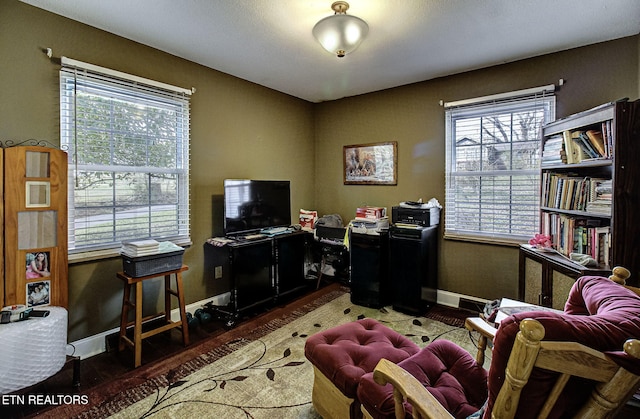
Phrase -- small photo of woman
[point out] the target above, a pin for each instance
(38, 265)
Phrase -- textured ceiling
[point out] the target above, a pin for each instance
(269, 42)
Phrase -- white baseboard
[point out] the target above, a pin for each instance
(452, 299)
(96, 344)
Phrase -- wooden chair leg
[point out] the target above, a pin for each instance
(482, 347)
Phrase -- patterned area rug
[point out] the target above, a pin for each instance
(450, 316)
(261, 373)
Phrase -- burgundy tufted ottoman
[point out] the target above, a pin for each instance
(342, 355)
(446, 370)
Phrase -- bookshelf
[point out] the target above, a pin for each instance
(590, 178)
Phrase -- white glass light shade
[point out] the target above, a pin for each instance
(340, 34)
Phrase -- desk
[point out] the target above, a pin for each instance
(138, 335)
(32, 350)
(331, 257)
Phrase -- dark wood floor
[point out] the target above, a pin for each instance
(108, 366)
(112, 364)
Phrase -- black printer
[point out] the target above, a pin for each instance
(423, 217)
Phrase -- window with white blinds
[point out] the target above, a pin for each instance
(128, 145)
(492, 165)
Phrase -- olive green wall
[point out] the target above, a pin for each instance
(238, 130)
(412, 116)
(237, 126)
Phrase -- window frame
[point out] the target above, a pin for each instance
(512, 103)
(147, 96)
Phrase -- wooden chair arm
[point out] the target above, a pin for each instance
(481, 326)
(407, 387)
(487, 333)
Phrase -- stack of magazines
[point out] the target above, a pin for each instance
(147, 247)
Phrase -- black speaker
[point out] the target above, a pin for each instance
(413, 270)
(369, 256)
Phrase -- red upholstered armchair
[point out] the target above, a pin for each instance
(544, 364)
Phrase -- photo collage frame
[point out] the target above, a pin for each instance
(37, 236)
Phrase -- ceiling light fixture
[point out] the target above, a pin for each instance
(340, 34)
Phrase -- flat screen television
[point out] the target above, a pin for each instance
(251, 205)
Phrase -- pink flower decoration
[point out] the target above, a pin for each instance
(540, 240)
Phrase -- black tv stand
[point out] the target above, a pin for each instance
(261, 272)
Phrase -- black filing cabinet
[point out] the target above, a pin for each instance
(247, 268)
(413, 270)
(369, 260)
(289, 252)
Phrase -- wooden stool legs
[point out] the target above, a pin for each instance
(179, 294)
(137, 328)
(138, 335)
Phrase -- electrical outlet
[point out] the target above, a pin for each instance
(217, 272)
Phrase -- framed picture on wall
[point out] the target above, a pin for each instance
(371, 164)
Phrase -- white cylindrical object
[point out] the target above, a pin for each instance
(32, 350)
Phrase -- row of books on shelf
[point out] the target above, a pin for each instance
(576, 193)
(578, 235)
(572, 147)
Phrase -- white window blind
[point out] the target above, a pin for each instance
(128, 145)
(492, 165)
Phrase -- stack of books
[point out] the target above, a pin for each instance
(587, 145)
(370, 213)
(578, 235)
(370, 220)
(139, 248)
(553, 151)
(576, 193)
(600, 200)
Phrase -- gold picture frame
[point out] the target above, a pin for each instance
(371, 164)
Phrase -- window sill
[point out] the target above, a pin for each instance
(96, 255)
(498, 241)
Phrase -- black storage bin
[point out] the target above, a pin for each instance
(152, 264)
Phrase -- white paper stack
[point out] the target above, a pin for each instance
(139, 248)
(373, 227)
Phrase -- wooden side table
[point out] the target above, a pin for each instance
(138, 335)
